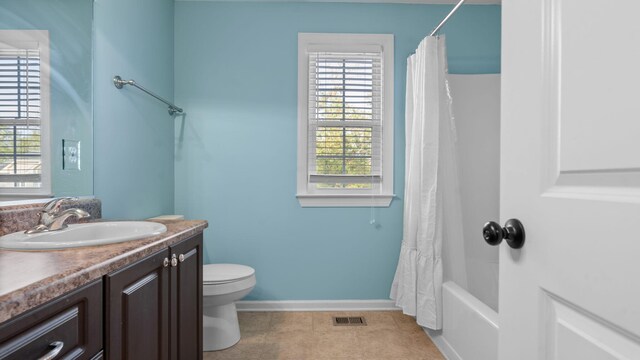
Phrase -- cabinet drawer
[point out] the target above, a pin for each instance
(73, 322)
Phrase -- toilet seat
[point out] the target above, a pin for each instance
(223, 279)
(229, 288)
(218, 274)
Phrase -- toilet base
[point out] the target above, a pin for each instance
(221, 328)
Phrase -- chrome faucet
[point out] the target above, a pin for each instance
(52, 219)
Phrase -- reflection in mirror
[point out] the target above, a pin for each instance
(46, 122)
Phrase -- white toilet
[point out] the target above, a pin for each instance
(223, 284)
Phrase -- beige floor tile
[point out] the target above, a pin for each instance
(253, 337)
(229, 354)
(287, 321)
(210, 355)
(406, 322)
(240, 351)
(254, 321)
(335, 345)
(289, 345)
(250, 347)
(379, 320)
(384, 344)
(389, 335)
(422, 347)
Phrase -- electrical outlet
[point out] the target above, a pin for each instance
(70, 154)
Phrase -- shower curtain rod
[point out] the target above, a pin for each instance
(119, 83)
(446, 18)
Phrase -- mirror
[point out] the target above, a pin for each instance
(68, 24)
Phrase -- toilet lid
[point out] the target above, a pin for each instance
(225, 273)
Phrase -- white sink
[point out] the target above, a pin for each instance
(79, 235)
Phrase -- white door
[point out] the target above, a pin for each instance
(570, 171)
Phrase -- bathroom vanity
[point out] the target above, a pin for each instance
(139, 299)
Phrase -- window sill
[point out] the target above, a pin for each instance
(345, 200)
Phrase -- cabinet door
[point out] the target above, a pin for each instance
(186, 299)
(137, 312)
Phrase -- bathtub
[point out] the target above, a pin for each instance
(471, 270)
(469, 327)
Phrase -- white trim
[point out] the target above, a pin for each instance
(381, 195)
(316, 305)
(40, 38)
(441, 343)
(344, 200)
(424, 2)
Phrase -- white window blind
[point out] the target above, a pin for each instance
(345, 119)
(20, 118)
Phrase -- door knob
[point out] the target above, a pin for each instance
(513, 232)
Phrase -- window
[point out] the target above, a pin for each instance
(24, 113)
(345, 119)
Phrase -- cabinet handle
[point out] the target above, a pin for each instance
(165, 262)
(174, 260)
(181, 257)
(57, 347)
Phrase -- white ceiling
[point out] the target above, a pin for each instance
(470, 2)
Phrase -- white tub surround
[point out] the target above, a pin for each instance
(469, 329)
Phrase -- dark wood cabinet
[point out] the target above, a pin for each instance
(137, 311)
(151, 309)
(154, 306)
(70, 326)
(186, 291)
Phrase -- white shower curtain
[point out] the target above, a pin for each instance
(432, 211)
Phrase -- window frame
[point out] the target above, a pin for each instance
(40, 37)
(380, 195)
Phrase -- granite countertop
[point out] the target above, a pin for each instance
(32, 278)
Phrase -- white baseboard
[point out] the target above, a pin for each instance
(441, 343)
(316, 305)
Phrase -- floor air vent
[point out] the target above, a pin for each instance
(349, 321)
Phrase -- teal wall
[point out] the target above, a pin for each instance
(134, 152)
(235, 160)
(69, 23)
